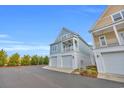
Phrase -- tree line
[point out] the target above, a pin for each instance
(16, 60)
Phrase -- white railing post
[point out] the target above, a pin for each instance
(61, 47)
(73, 44)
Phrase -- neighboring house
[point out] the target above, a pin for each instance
(108, 39)
(70, 51)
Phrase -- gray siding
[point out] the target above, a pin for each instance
(83, 48)
(56, 48)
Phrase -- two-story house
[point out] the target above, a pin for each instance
(108, 41)
(70, 51)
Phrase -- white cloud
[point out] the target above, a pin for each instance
(26, 48)
(4, 36)
(10, 42)
(85, 10)
(17, 46)
(30, 48)
(92, 9)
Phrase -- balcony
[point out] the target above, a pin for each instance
(110, 48)
(108, 45)
(67, 45)
(68, 49)
(67, 36)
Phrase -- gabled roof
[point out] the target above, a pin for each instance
(99, 19)
(105, 18)
(64, 31)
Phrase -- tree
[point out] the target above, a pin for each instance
(46, 60)
(3, 57)
(14, 60)
(25, 60)
(41, 60)
(34, 60)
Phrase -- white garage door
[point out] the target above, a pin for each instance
(67, 61)
(54, 61)
(114, 62)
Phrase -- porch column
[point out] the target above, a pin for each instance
(116, 33)
(73, 44)
(93, 41)
(78, 43)
(61, 47)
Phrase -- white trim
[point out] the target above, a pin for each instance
(61, 46)
(73, 44)
(107, 27)
(116, 33)
(110, 49)
(108, 16)
(122, 14)
(100, 17)
(78, 44)
(112, 18)
(119, 12)
(93, 41)
(101, 42)
(122, 42)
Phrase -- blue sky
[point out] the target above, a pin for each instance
(30, 29)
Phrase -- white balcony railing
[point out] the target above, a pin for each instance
(110, 49)
(108, 45)
(67, 49)
(67, 36)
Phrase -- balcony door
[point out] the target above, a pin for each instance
(121, 34)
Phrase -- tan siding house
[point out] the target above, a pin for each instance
(108, 42)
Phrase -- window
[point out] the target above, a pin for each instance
(102, 41)
(52, 48)
(56, 48)
(117, 17)
(121, 37)
(123, 13)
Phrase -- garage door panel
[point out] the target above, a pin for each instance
(114, 62)
(67, 61)
(54, 61)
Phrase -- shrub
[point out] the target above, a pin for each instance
(92, 67)
(25, 60)
(3, 57)
(90, 71)
(14, 60)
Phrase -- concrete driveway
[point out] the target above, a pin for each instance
(37, 77)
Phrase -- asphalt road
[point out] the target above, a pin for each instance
(37, 77)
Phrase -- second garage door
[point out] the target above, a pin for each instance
(67, 61)
(114, 62)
